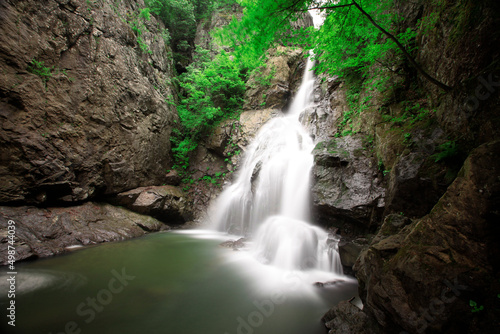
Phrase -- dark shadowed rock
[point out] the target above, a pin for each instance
(346, 318)
(421, 276)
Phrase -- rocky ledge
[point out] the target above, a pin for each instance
(51, 231)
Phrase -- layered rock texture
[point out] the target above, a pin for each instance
(82, 105)
(424, 277)
(51, 231)
(84, 115)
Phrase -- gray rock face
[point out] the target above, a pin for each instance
(166, 203)
(46, 232)
(347, 190)
(97, 121)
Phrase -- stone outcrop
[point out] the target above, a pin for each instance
(47, 232)
(83, 108)
(424, 277)
(274, 86)
(165, 203)
(347, 191)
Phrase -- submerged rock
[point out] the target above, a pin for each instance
(234, 244)
(46, 232)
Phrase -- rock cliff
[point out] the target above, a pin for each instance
(431, 265)
(83, 104)
(85, 114)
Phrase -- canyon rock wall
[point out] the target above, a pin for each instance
(83, 100)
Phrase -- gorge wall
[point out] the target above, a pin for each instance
(82, 106)
(84, 115)
(412, 184)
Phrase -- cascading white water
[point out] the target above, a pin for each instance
(269, 200)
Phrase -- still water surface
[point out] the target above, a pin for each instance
(182, 283)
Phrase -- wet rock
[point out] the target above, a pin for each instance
(99, 124)
(347, 191)
(346, 318)
(166, 203)
(423, 277)
(47, 232)
(234, 244)
(330, 103)
(349, 251)
(327, 284)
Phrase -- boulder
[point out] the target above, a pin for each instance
(435, 273)
(166, 203)
(346, 318)
(347, 189)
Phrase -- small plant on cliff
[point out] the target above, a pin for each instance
(138, 26)
(474, 307)
(446, 150)
(38, 68)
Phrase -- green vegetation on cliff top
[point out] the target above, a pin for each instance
(357, 37)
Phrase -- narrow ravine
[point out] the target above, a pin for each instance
(282, 279)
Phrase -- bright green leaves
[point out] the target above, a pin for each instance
(178, 16)
(264, 24)
(213, 90)
(348, 41)
(38, 68)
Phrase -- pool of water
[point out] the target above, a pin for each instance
(183, 283)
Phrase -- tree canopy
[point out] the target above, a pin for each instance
(355, 34)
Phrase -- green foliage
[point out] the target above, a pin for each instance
(474, 307)
(180, 18)
(263, 25)
(38, 68)
(137, 20)
(347, 41)
(212, 91)
(446, 150)
(413, 113)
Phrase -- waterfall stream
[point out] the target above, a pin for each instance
(270, 199)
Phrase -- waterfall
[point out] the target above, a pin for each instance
(269, 199)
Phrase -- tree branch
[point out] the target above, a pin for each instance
(402, 48)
